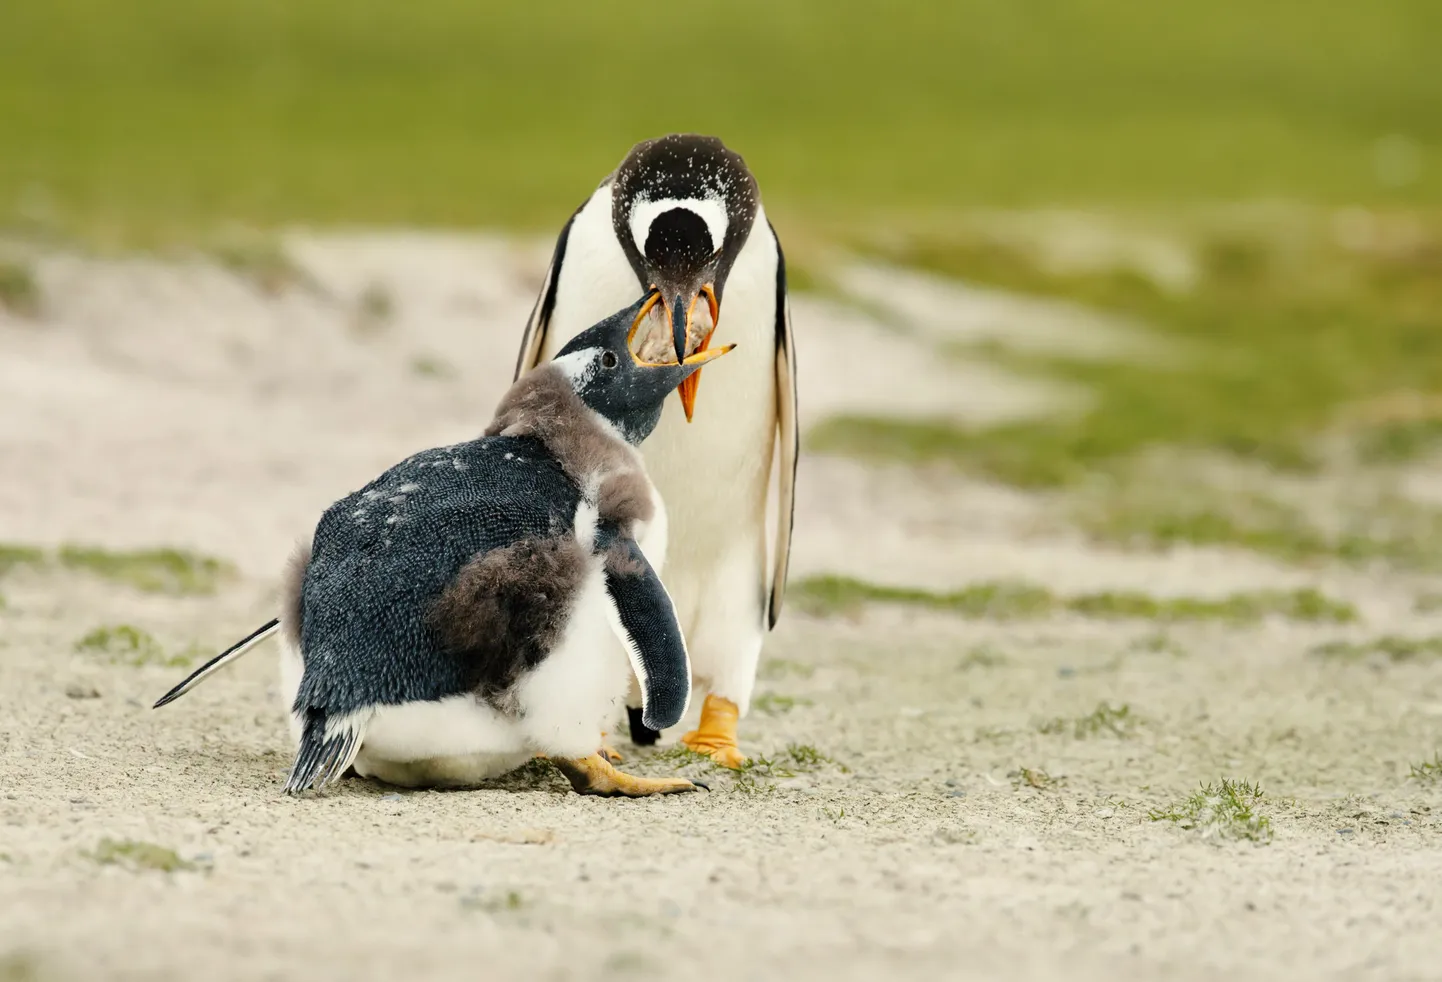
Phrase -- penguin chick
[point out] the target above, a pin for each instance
(441, 627)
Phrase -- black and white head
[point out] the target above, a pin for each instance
(619, 385)
(682, 206)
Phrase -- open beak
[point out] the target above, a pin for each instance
(679, 318)
(679, 315)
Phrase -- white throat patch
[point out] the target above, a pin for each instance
(712, 211)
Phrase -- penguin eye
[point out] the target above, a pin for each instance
(608, 359)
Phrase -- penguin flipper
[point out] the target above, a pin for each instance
(645, 622)
(328, 745)
(788, 438)
(220, 661)
(533, 341)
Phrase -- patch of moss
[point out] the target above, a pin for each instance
(127, 644)
(779, 668)
(1393, 530)
(19, 967)
(427, 366)
(138, 856)
(804, 758)
(1278, 345)
(510, 900)
(774, 704)
(997, 600)
(1399, 441)
(260, 258)
(1229, 810)
(681, 756)
(1106, 719)
(19, 292)
(1156, 644)
(375, 306)
(830, 595)
(13, 556)
(758, 772)
(981, 656)
(1394, 647)
(1299, 605)
(173, 571)
(1034, 778)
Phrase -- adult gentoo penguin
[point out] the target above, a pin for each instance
(682, 215)
(441, 626)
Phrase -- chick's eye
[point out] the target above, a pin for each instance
(608, 359)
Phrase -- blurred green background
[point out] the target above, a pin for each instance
(1289, 151)
(155, 117)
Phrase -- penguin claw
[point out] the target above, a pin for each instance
(610, 754)
(595, 775)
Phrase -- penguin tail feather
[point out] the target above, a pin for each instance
(327, 748)
(220, 661)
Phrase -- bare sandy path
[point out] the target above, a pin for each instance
(164, 405)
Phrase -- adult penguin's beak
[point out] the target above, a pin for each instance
(680, 314)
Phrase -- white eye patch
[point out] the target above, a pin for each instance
(578, 366)
(711, 210)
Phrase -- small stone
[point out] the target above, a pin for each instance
(81, 690)
(391, 797)
(1065, 671)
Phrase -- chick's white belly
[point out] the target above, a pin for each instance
(459, 740)
(561, 705)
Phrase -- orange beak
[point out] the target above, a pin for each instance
(689, 387)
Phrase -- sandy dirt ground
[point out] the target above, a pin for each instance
(171, 404)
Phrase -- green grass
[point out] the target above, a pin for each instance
(1429, 771)
(1398, 532)
(160, 115)
(13, 556)
(20, 966)
(1035, 778)
(1286, 334)
(173, 571)
(834, 595)
(127, 644)
(1105, 720)
(259, 258)
(1394, 647)
(509, 901)
(1157, 643)
(138, 855)
(758, 772)
(19, 293)
(1230, 810)
(774, 704)
(981, 656)
(827, 595)
(780, 668)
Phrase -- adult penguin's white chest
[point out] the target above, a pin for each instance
(712, 473)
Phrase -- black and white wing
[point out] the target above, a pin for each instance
(646, 624)
(534, 340)
(788, 437)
